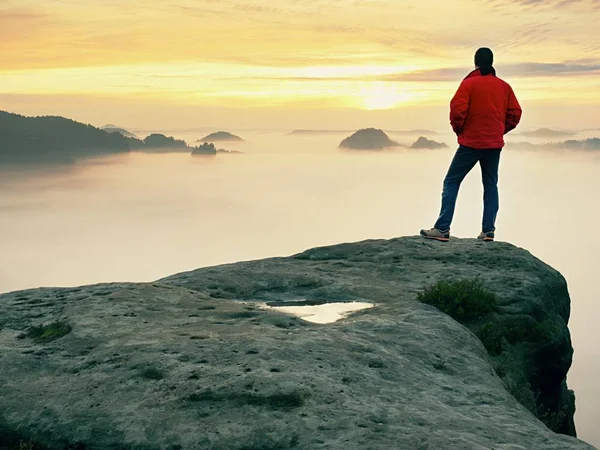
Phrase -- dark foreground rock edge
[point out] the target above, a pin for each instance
(190, 361)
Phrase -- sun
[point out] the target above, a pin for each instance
(381, 95)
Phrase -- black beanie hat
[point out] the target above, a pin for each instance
(484, 59)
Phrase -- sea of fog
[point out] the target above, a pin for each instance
(145, 216)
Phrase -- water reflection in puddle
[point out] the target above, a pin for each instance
(326, 313)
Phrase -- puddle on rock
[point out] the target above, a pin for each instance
(325, 313)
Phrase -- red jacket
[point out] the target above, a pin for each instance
(483, 110)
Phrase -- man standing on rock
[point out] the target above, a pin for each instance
(482, 111)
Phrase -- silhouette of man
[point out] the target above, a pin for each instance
(482, 111)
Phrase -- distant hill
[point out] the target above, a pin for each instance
(158, 141)
(54, 139)
(410, 132)
(547, 133)
(585, 144)
(210, 150)
(114, 129)
(51, 139)
(423, 142)
(368, 139)
(571, 144)
(204, 150)
(221, 136)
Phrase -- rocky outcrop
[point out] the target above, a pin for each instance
(368, 139)
(425, 143)
(221, 136)
(194, 361)
(115, 129)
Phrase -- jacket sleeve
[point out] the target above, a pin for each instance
(459, 108)
(513, 112)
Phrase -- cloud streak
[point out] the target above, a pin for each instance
(204, 49)
(586, 5)
(519, 70)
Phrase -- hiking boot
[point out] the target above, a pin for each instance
(486, 236)
(436, 234)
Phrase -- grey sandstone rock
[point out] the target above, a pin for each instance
(192, 361)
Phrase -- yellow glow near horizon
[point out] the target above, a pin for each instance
(383, 96)
(369, 55)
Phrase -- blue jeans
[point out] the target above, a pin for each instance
(462, 163)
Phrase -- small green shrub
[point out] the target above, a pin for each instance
(463, 300)
(496, 332)
(49, 333)
(491, 335)
(545, 331)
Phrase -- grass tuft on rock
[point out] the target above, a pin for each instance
(463, 300)
(48, 333)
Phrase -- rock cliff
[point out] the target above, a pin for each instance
(194, 361)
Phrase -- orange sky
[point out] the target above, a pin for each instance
(335, 63)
